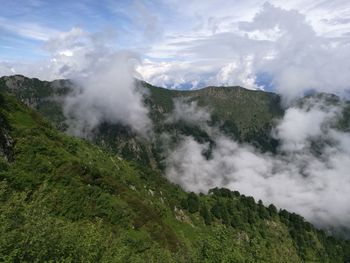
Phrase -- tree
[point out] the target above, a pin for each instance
(224, 216)
(184, 204)
(263, 213)
(193, 202)
(216, 210)
(272, 210)
(236, 221)
(204, 212)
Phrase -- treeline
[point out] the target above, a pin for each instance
(228, 207)
(243, 213)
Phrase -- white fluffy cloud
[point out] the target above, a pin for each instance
(296, 52)
(189, 112)
(104, 76)
(108, 94)
(312, 182)
(301, 59)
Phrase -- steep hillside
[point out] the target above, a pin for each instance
(243, 114)
(63, 199)
(44, 96)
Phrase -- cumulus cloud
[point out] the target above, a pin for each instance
(175, 74)
(222, 59)
(240, 73)
(300, 46)
(308, 175)
(284, 44)
(301, 59)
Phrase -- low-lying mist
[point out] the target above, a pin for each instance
(109, 94)
(104, 77)
(309, 174)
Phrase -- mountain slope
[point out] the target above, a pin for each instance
(246, 115)
(246, 110)
(64, 199)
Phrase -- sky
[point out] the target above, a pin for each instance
(274, 45)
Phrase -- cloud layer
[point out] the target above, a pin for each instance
(309, 175)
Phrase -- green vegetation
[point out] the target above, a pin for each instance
(246, 115)
(63, 199)
(242, 112)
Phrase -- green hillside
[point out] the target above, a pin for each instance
(63, 199)
(247, 111)
(246, 115)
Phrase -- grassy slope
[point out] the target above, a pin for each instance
(64, 199)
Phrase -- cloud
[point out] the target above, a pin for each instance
(301, 123)
(301, 59)
(6, 68)
(104, 77)
(29, 30)
(282, 43)
(108, 94)
(189, 113)
(240, 73)
(304, 47)
(309, 175)
(106, 91)
(146, 20)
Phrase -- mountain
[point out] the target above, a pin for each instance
(254, 109)
(64, 199)
(246, 115)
